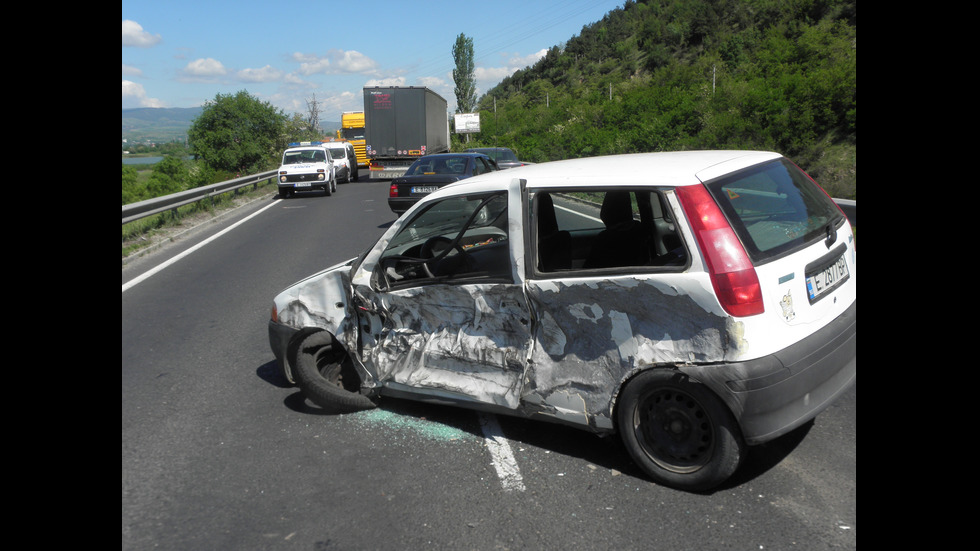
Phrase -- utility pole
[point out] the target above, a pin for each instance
(313, 119)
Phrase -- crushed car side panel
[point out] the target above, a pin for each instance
(592, 334)
(467, 341)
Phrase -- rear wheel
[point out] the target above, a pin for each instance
(678, 431)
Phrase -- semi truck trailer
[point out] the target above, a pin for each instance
(403, 123)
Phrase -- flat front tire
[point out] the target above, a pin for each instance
(325, 376)
(678, 431)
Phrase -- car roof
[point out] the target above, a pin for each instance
(463, 154)
(675, 168)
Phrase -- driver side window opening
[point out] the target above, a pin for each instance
(604, 228)
(458, 239)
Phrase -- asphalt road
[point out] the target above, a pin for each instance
(218, 452)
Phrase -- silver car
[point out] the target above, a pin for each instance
(694, 303)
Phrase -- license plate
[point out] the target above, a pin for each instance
(424, 189)
(821, 282)
(302, 184)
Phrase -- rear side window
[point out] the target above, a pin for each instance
(775, 208)
(603, 228)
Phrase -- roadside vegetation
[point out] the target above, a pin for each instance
(691, 74)
(235, 135)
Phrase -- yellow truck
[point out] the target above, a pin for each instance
(352, 130)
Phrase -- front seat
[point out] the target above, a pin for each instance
(624, 242)
(554, 245)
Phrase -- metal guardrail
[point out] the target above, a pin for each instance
(149, 207)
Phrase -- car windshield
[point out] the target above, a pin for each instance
(504, 155)
(775, 208)
(305, 156)
(437, 165)
(497, 154)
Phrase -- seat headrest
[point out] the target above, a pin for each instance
(616, 208)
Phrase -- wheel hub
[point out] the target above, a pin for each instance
(674, 430)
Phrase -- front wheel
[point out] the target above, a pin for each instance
(324, 373)
(678, 431)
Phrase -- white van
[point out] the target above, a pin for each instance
(344, 160)
(306, 166)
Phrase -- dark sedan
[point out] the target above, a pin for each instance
(430, 173)
(505, 158)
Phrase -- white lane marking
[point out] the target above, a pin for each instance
(501, 454)
(143, 277)
(583, 215)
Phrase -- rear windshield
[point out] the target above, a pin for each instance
(775, 208)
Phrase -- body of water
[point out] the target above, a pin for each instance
(130, 160)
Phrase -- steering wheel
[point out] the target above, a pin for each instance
(429, 251)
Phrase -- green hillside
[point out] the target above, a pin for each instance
(692, 74)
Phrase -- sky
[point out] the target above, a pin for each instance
(182, 53)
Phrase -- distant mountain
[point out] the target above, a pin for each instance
(158, 124)
(162, 125)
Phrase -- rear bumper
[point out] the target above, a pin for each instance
(773, 395)
(399, 205)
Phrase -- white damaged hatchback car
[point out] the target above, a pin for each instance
(693, 302)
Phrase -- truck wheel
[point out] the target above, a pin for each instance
(678, 431)
(325, 376)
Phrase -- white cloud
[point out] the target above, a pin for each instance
(314, 66)
(205, 68)
(353, 61)
(528, 60)
(131, 71)
(494, 74)
(265, 74)
(133, 95)
(432, 82)
(392, 81)
(335, 62)
(134, 35)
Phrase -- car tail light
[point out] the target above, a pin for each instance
(732, 273)
(393, 192)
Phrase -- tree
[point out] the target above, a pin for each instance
(463, 75)
(132, 191)
(237, 133)
(297, 129)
